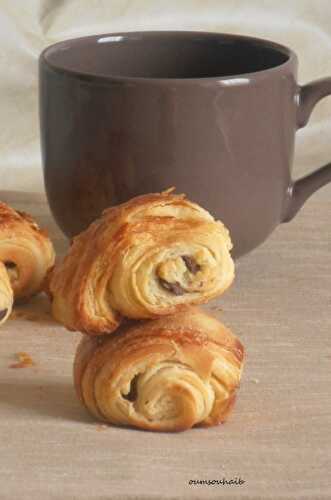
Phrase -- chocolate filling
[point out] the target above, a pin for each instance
(10, 265)
(191, 264)
(174, 288)
(133, 393)
(3, 313)
(12, 270)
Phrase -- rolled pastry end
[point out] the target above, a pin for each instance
(168, 374)
(6, 295)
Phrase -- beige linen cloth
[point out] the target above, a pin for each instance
(26, 27)
(278, 439)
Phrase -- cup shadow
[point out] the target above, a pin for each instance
(51, 400)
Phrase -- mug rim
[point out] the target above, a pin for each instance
(242, 78)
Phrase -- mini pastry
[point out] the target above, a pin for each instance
(149, 257)
(167, 374)
(26, 254)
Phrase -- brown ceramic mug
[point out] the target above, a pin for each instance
(214, 115)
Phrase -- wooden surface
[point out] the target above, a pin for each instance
(279, 437)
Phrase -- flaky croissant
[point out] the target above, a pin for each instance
(26, 254)
(167, 374)
(145, 258)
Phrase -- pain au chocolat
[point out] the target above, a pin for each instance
(167, 374)
(26, 255)
(149, 257)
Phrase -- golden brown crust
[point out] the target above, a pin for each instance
(152, 256)
(26, 252)
(167, 374)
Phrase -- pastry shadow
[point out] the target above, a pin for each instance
(58, 400)
(36, 310)
(55, 400)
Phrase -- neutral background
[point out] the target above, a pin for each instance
(26, 27)
(279, 437)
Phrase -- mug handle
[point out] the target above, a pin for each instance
(298, 191)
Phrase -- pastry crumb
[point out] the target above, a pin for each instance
(24, 360)
(101, 427)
